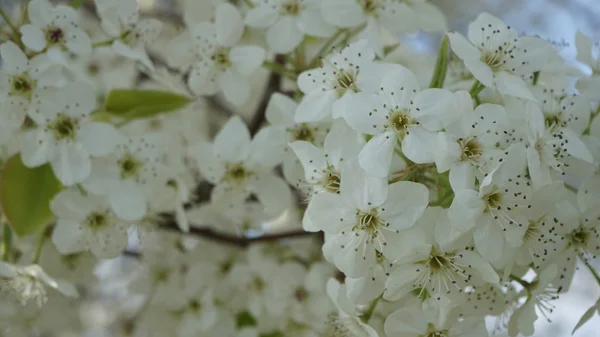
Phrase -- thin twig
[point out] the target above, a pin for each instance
(230, 239)
(273, 85)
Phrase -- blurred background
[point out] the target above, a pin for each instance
(555, 20)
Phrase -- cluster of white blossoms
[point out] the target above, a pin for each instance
(361, 198)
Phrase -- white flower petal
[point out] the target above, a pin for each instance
(341, 13)
(280, 110)
(315, 106)
(512, 85)
(211, 168)
(405, 204)
(69, 237)
(232, 143)
(108, 242)
(71, 164)
(127, 201)
(361, 190)
(268, 147)
(37, 148)
(284, 35)
(273, 192)
(376, 156)
(262, 16)
(489, 241)
(236, 87)
(14, 61)
(312, 159)
(204, 79)
(33, 37)
(584, 48)
(99, 139)
(246, 59)
(229, 25)
(329, 213)
(312, 23)
(39, 12)
(418, 145)
(78, 42)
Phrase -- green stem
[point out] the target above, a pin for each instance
(476, 89)
(524, 283)
(441, 65)
(103, 43)
(6, 248)
(325, 48)
(367, 315)
(280, 69)
(39, 246)
(536, 77)
(590, 268)
(249, 3)
(24, 11)
(571, 188)
(13, 28)
(351, 34)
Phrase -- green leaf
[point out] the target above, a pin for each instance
(245, 319)
(76, 3)
(25, 195)
(586, 316)
(441, 65)
(388, 49)
(273, 334)
(133, 103)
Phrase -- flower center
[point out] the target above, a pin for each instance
(22, 85)
(400, 121)
(93, 68)
(471, 149)
(96, 220)
(161, 275)
(552, 119)
(130, 36)
(496, 58)
(433, 332)
(54, 35)
(25, 288)
(291, 7)
(303, 132)
(369, 222)
(493, 200)
(534, 230)
(194, 305)
(300, 294)
(129, 166)
(345, 81)
(257, 284)
(28, 124)
(64, 128)
(236, 172)
(331, 181)
(343, 327)
(369, 6)
(221, 57)
(579, 237)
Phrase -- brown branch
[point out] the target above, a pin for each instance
(230, 239)
(169, 223)
(273, 85)
(240, 241)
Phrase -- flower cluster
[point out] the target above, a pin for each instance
(360, 199)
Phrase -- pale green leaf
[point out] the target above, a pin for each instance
(133, 103)
(25, 195)
(441, 65)
(586, 317)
